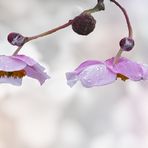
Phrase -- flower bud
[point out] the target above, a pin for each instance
(127, 44)
(16, 39)
(83, 24)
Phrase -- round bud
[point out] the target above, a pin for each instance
(83, 24)
(16, 39)
(127, 44)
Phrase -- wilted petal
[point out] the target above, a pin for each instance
(9, 64)
(11, 80)
(72, 78)
(130, 69)
(38, 67)
(41, 76)
(145, 71)
(96, 75)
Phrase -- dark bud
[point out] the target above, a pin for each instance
(16, 39)
(83, 24)
(127, 44)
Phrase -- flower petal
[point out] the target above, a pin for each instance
(85, 64)
(11, 80)
(72, 78)
(145, 71)
(130, 69)
(35, 73)
(96, 75)
(10, 64)
(29, 61)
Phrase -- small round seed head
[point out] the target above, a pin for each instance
(16, 39)
(83, 24)
(127, 44)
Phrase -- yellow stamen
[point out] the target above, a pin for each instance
(123, 78)
(14, 74)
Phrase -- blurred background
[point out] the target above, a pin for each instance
(54, 115)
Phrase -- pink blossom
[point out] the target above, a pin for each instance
(14, 68)
(96, 73)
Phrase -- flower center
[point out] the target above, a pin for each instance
(15, 74)
(123, 78)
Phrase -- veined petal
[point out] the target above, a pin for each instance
(11, 80)
(96, 75)
(130, 69)
(9, 64)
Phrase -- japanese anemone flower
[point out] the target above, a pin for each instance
(14, 68)
(96, 73)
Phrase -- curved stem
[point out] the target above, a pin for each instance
(100, 6)
(130, 31)
(43, 34)
(50, 31)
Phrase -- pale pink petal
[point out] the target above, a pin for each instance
(96, 75)
(9, 64)
(72, 78)
(21, 62)
(29, 61)
(145, 71)
(41, 76)
(11, 80)
(126, 67)
(86, 64)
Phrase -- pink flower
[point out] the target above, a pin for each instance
(96, 73)
(14, 68)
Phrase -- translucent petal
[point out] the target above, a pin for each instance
(86, 64)
(96, 75)
(72, 78)
(29, 61)
(41, 76)
(145, 71)
(9, 64)
(126, 67)
(11, 80)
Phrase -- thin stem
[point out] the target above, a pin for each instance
(43, 34)
(17, 50)
(118, 55)
(130, 31)
(50, 31)
(100, 6)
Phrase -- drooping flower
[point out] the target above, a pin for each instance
(96, 73)
(14, 68)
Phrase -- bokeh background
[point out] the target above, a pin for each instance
(54, 115)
